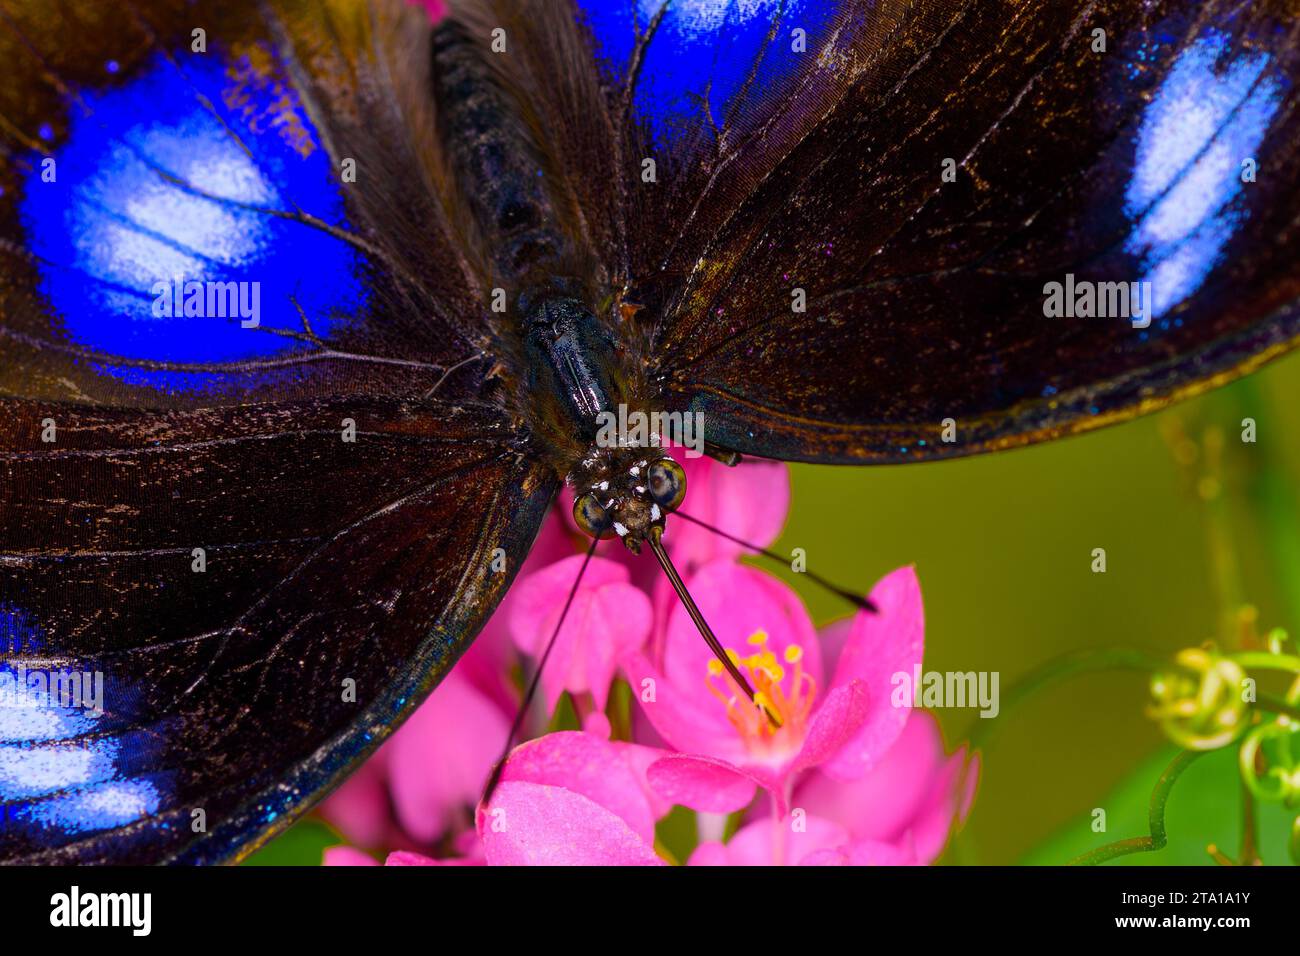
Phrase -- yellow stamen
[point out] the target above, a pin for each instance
(775, 722)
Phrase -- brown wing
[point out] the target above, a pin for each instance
(268, 543)
(264, 600)
(915, 177)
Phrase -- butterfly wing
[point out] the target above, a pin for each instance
(237, 547)
(847, 250)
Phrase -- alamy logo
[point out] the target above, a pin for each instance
(176, 298)
(934, 689)
(1101, 300)
(75, 908)
(637, 429)
(41, 689)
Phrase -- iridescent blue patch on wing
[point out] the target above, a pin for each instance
(707, 52)
(133, 210)
(66, 766)
(1209, 115)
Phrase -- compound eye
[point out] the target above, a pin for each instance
(666, 482)
(592, 517)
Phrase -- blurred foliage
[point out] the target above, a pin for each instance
(1194, 522)
(1204, 809)
(300, 845)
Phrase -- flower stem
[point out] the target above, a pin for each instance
(1249, 829)
(1057, 669)
(1277, 705)
(1262, 660)
(1159, 836)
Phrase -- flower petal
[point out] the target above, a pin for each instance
(701, 783)
(489, 658)
(686, 720)
(836, 721)
(597, 724)
(971, 785)
(533, 824)
(407, 858)
(884, 803)
(879, 646)
(946, 808)
(909, 795)
(639, 758)
(737, 601)
(832, 639)
(762, 844)
(608, 619)
(709, 853)
(347, 856)
(861, 853)
(589, 766)
(359, 809)
(440, 758)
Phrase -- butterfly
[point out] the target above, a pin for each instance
(308, 309)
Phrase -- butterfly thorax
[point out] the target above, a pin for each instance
(576, 382)
(570, 354)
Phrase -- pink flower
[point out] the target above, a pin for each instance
(910, 799)
(727, 745)
(608, 619)
(360, 811)
(564, 799)
(348, 856)
(804, 841)
(900, 813)
(570, 799)
(434, 774)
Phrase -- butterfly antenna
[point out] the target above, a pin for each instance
(865, 603)
(533, 685)
(675, 579)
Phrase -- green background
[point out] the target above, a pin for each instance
(1003, 547)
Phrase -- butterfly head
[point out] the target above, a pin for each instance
(629, 496)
